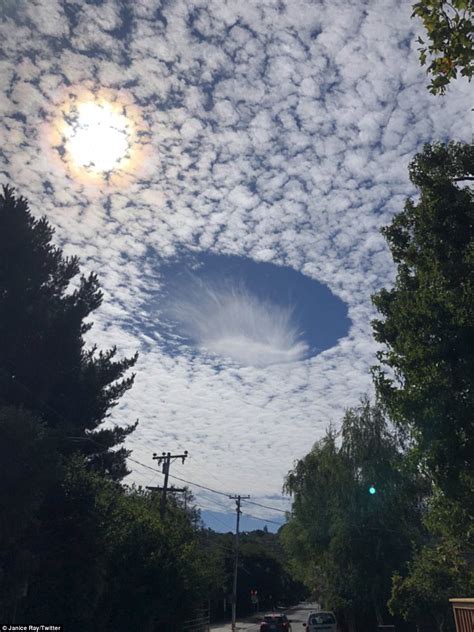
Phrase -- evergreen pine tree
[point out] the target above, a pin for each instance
(45, 366)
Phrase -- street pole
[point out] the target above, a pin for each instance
(165, 460)
(238, 500)
(166, 472)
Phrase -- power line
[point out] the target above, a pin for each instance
(214, 491)
(214, 517)
(183, 480)
(203, 468)
(219, 504)
(114, 423)
(267, 507)
(209, 489)
(165, 461)
(244, 513)
(153, 469)
(88, 438)
(229, 528)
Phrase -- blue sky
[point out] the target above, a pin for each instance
(269, 142)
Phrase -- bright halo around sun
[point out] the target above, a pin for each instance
(100, 138)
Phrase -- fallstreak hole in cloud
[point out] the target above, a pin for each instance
(231, 322)
(252, 313)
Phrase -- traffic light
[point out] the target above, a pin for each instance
(372, 490)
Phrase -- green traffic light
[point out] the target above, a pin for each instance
(372, 490)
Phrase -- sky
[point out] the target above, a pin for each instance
(225, 168)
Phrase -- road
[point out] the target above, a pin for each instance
(297, 616)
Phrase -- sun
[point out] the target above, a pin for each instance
(98, 137)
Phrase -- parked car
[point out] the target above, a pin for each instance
(321, 621)
(275, 622)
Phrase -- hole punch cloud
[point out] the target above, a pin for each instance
(252, 313)
(277, 131)
(232, 322)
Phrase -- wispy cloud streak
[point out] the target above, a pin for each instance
(232, 322)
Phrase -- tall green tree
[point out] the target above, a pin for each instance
(70, 564)
(29, 466)
(356, 509)
(105, 561)
(450, 29)
(426, 325)
(263, 566)
(76, 546)
(156, 573)
(45, 366)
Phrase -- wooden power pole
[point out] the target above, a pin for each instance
(165, 461)
(238, 500)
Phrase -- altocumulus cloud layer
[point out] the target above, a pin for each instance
(280, 131)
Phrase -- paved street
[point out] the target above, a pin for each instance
(297, 616)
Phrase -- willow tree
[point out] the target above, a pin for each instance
(355, 512)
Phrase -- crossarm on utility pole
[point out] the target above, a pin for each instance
(165, 460)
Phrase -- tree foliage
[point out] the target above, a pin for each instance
(45, 365)
(108, 562)
(436, 573)
(426, 320)
(449, 51)
(417, 526)
(76, 546)
(29, 467)
(344, 541)
(263, 566)
(426, 374)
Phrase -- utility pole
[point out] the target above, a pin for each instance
(238, 500)
(165, 460)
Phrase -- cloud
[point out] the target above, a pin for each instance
(234, 323)
(277, 131)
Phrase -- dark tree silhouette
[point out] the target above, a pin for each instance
(45, 365)
(427, 319)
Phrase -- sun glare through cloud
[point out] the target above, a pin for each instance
(267, 141)
(99, 138)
